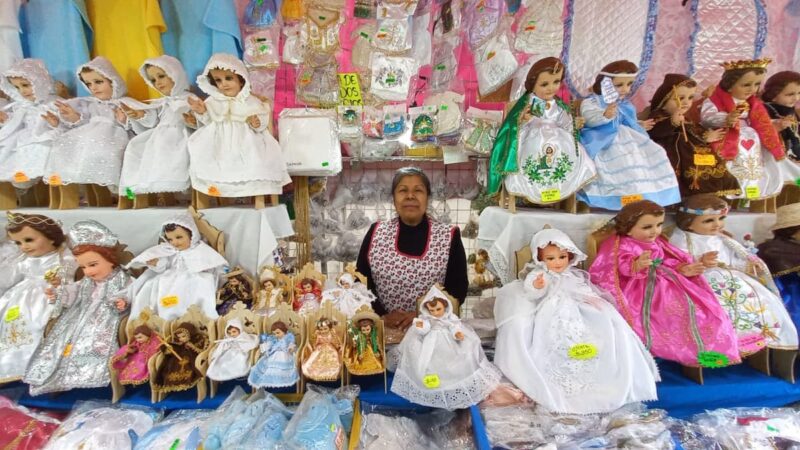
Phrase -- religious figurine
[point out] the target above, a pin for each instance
(323, 352)
(277, 366)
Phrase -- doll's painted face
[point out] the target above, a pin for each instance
(226, 81)
(100, 86)
(24, 87)
(709, 224)
(554, 258)
(685, 97)
(647, 228)
(789, 96)
(365, 327)
(623, 85)
(94, 265)
(233, 282)
(547, 85)
(182, 336)
(267, 285)
(278, 333)
(141, 338)
(747, 86)
(160, 79)
(323, 327)
(32, 242)
(345, 284)
(436, 309)
(233, 332)
(179, 238)
(307, 287)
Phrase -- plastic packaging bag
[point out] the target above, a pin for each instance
(349, 118)
(495, 64)
(393, 33)
(362, 46)
(261, 47)
(540, 30)
(423, 123)
(752, 428)
(260, 13)
(310, 141)
(449, 115)
(437, 430)
(480, 130)
(294, 47)
(22, 429)
(444, 65)
(394, 120)
(372, 122)
(392, 77)
(317, 81)
(483, 20)
(188, 427)
(102, 426)
(322, 420)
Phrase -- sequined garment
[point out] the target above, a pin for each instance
(325, 362)
(76, 352)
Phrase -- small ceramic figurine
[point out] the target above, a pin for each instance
(350, 294)
(646, 274)
(323, 360)
(230, 358)
(181, 271)
(561, 341)
(442, 364)
(782, 255)
(147, 168)
(629, 164)
(308, 296)
(178, 371)
(537, 150)
(698, 168)
(363, 353)
(235, 288)
(232, 153)
(780, 96)
(131, 359)
(76, 351)
(740, 280)
(25, 137)
(270, 295)
(276, 367)
(751, 147)
(24, 307)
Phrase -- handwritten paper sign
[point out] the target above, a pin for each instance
(350, 89)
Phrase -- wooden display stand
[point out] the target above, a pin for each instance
(65, 196)
(146, 317)
(252, 325)
(37, 196)
(8, 196)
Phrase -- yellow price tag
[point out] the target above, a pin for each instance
(752, 192)
(20, 177)
(582, 351)
(626, 199)
(551, 195)
(213, 191)
(705, 160)
(169, 301)
(12, 314)
(54, 180)
(68, 349)
(431, 381)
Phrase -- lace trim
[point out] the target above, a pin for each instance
(473, 390)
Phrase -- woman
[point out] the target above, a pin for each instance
(403, 257)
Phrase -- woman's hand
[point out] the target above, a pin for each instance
(196, 105)
(399, 319)
(67, 112)
(611, 111)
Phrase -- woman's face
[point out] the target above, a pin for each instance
(98, 85)
(411, 199)
(555, 259)
(160, 79)
(623, 85)
(789, 96)
(684, 96)
(94, 265)
(32, 242)
(709, 224)
(647, 228)
(747, 86)
(547, 85)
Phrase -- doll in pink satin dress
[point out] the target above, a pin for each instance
(661, 293)
(131, 359)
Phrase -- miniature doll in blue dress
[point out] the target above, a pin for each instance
(276, 367)
(629, 164)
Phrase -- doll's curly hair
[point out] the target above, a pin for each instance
(627, 217)
(701, 201)
(730, 77)
(49, 227)
(621, 66)
(242, 81)
(110, 254)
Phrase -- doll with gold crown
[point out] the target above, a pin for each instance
(561, 341)
(24, 306)
(537, 155)
(751, 147)
(76, 352)
(442, 364)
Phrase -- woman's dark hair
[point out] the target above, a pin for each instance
(786, 233)
(616, 67)
(175, 226)
(631, 213)
(279, 326)
(730, 77)
(411, 172)
(242, 81)
(43, 224)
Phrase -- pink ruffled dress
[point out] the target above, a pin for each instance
(677, 317)
(133, 368)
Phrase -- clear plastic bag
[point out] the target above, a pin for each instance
(349, 118)
(424, 120)
(437, 430)
(392, 77)
(480, 130)
(294, 47)
(394, 120)
(22, 429)
(483, 20)
(393, 33)
(187, 426)
(310, 141)
(448, 19)
(102, 426)
(372, 122)
(317, 81)
(495, 64)
(752, 428)
(261, 47)
(444, 65)
(322, 420)
(259, 13)
(450, 114)
(361, 53)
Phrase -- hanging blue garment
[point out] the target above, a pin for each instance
(196, 29)
(58, 32)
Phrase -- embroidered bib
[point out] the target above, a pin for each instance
(401, 279)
